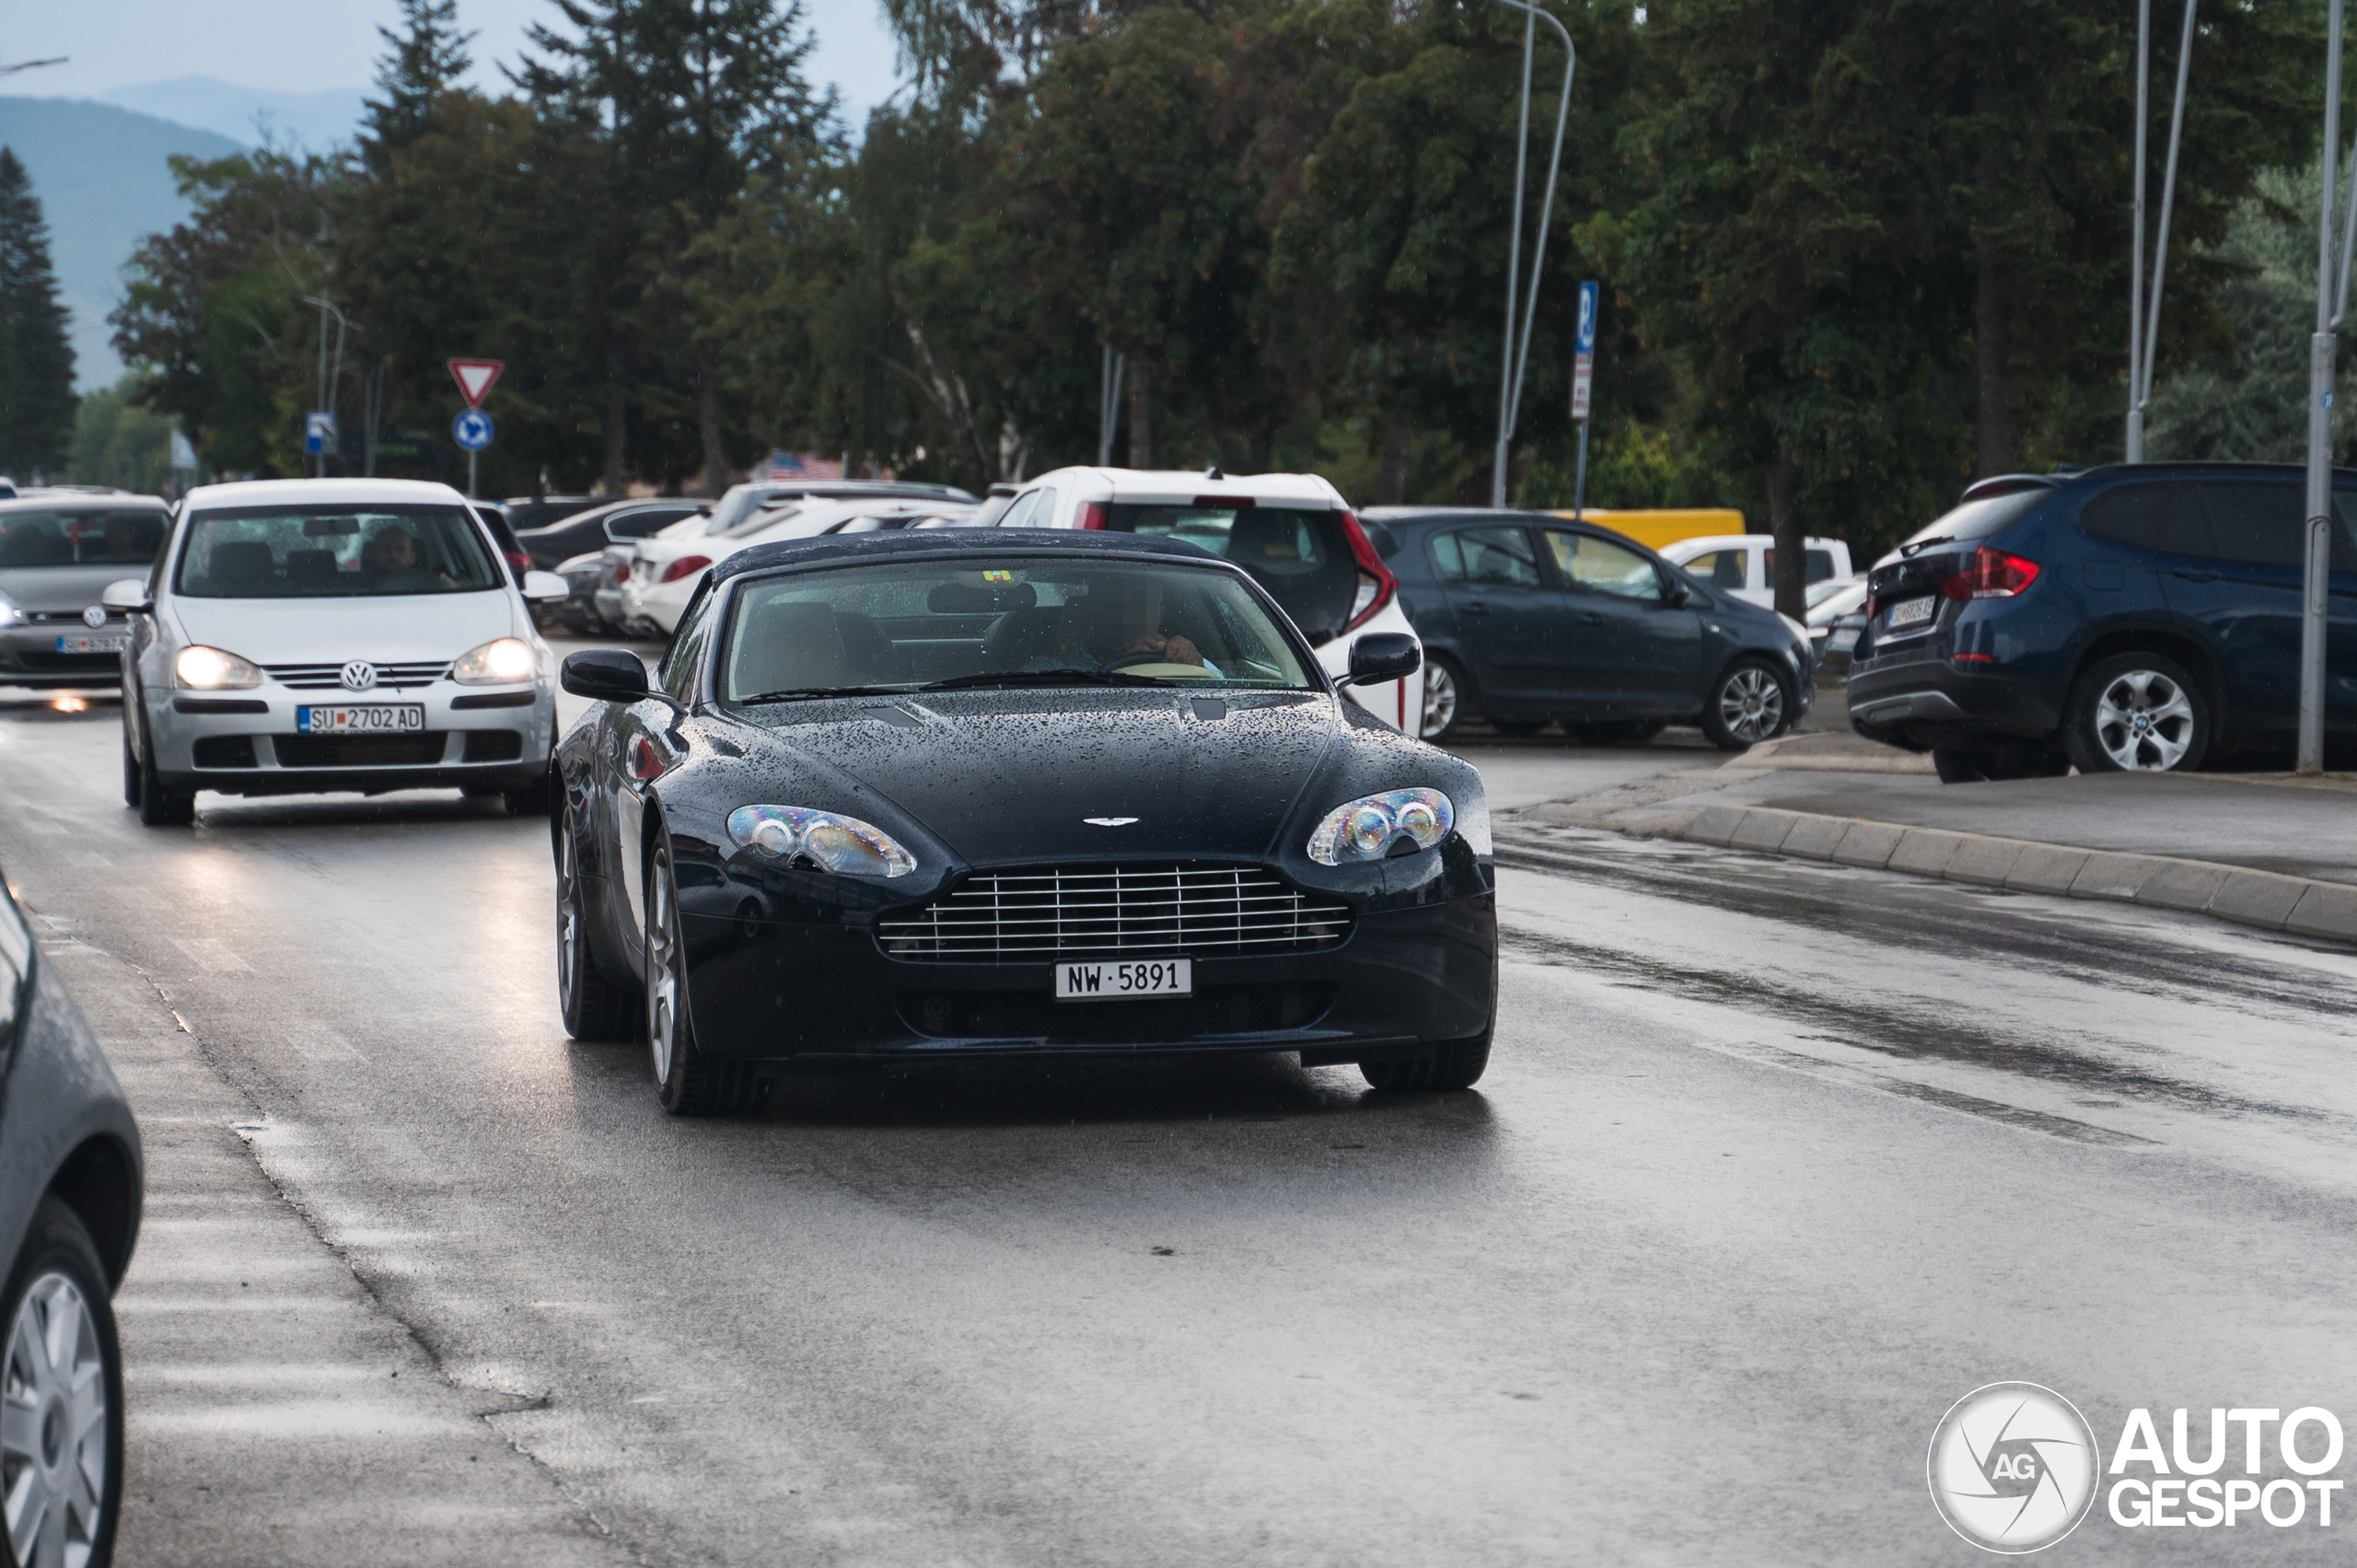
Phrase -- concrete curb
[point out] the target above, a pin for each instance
(2263, 898)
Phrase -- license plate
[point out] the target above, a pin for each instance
(1113, 983)
(379, 719)
(113, 643)
(1912, 612)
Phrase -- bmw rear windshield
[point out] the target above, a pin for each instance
(332, 552)
(1981, 517)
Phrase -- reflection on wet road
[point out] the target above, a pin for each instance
(1774, 1162)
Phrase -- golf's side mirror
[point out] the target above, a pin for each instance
(128, 594)
(1383, 656)
(610, 675)
(544, 587)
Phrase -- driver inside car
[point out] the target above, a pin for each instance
(1121, 624)
(390, 559)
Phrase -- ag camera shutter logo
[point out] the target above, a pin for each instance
(2012, 1467)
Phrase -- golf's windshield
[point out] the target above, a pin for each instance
(332, 552)
(85, 536)
(928, 626)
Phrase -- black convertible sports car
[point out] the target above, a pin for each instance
(921, 794)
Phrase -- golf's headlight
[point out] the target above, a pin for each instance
(10, 613)
(503, 661)
(789, 834)
(1370, 827)
(201, 669)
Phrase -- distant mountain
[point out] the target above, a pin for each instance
(100, 175)
(314, 121)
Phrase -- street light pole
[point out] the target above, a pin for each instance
(328, 384)
(2145, 329)
(2332, 307)
(1517, 359)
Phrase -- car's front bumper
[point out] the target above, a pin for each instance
(248, 743)
(30, 655)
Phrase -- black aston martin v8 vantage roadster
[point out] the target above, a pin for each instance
(915, 794)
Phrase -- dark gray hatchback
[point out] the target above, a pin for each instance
(70, 1192)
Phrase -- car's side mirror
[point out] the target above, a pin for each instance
(1676, 594)
(127, 594)
(1383, 656)
(543, 587)
(610, 675)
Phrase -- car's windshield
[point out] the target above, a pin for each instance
(1979, 519)
(333, 552)
(80, 536)
(1300, 555)
(1010, 622)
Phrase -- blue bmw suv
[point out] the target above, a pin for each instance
(2140, 617)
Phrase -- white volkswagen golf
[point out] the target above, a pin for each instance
(301, 637)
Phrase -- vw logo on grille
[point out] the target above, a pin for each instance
(359, 675)
(95, 616)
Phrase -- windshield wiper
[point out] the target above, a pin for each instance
(1045, 678)
(1916, 546)
(792, 692)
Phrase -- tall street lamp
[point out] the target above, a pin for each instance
(2145, 329)
(1517, 361)
(2332, 305)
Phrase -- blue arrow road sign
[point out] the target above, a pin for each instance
(1587, 319)
(318, 431)
(472, 430)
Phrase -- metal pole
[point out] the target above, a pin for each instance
(2168, 201)
(319, 470)
(1579, 481)
(470, 475)
(2136, 246)
(1511, 374)
(1108, 404)
(2321, 354)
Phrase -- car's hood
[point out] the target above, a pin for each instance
(396, 628)
(61, 587)
(1001, 776)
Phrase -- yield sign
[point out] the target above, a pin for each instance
(475, 377)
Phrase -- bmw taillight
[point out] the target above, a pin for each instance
(685, 566)
(1990, 574)
(1376, 585)
(1096, 515)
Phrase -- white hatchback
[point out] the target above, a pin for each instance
(1292, 532)
(301, 637)
(665, 571)
(1743, 565)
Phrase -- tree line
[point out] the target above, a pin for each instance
(1853, 252)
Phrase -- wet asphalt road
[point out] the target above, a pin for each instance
(1772, 1164)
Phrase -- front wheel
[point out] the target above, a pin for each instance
(2137, 712)
(60, 1400)
(130, 770)
(593, 1006)
(1459, 1064)
(1444, 698)
(1748, 703)
(161, 807)
(533, 800)
(687, 1081)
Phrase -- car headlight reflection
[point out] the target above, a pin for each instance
(827, 840)
(503, 661)
(201, 669)
(1372, 827)
(9, 614)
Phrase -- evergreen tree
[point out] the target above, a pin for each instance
(36, 360)
(425, 60)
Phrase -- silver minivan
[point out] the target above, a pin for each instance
(301, 636)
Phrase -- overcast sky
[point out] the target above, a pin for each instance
(311, 45)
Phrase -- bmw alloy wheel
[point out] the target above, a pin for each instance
(53, 1427)
(1751, 705)
(2143, 721)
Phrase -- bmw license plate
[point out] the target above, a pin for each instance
(381, 718)
(1911, 612)
(1115, 982)
(79, 642)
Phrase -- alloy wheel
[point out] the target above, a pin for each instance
(1440, 699)
(662, 967)
(1751, 705)
(53, 1427)
(568, 917)
(2145, 721)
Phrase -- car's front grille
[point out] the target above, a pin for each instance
(330, 676)
(223, 751)
(59, 617)
(1171, 1020)
(493, 745)
(1115, 912)
(420, 750)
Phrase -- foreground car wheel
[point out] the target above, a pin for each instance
(1746, 705)
(1444, 698)
(161, 807)
(593, 1006)
(1456, 1065)
(61, 1399)
(2139, 712)
(130, 771)
(532, 800)
(689, 1084)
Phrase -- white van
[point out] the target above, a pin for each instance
(1744, 564)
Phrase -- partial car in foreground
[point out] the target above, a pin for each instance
(70, 1195)
(308, 636)
(939, 795)
(57, 554)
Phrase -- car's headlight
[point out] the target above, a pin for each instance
(201, 669)
(9, 614)
(828, 839)
(503, 661)
(1367, 829)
